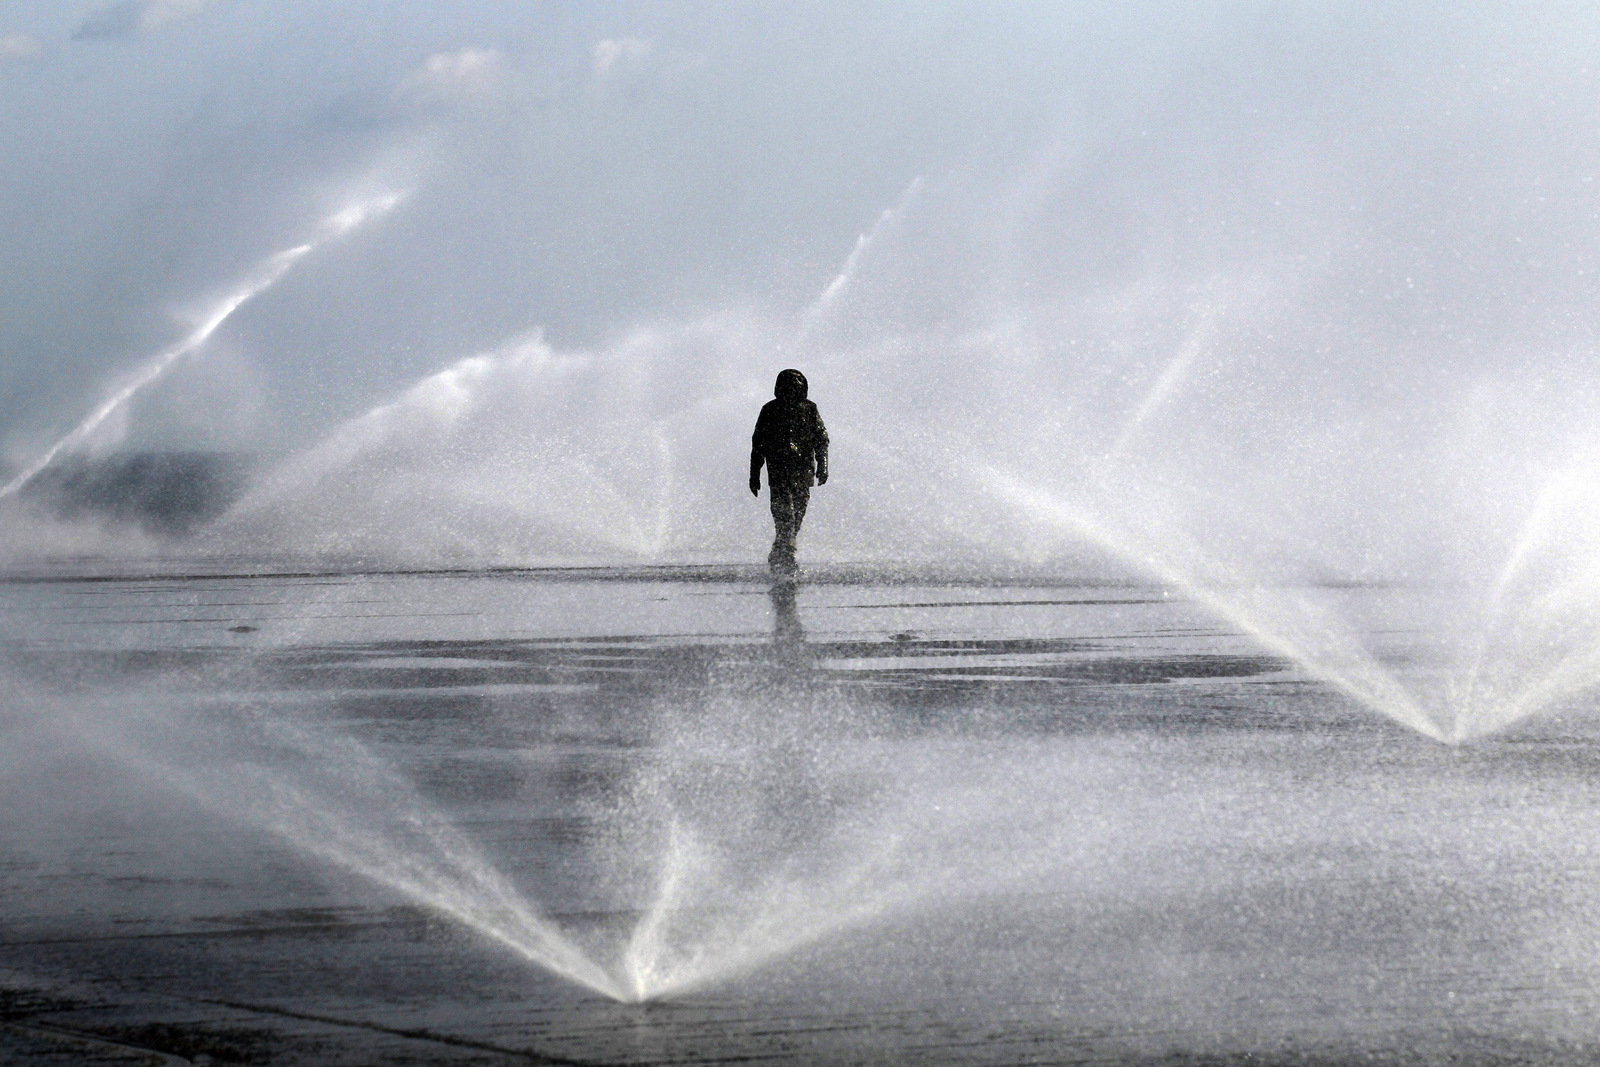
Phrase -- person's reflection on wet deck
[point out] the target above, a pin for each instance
(788, 633)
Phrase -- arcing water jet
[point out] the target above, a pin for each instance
(258, 280)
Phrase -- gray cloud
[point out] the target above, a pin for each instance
(14, 46)
(130, 18)
(609, 52)
(464, 76)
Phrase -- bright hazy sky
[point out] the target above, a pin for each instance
(1427, 173)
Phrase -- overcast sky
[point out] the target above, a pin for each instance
(1421, 176)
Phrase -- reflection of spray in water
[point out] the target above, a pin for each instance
(262, 278)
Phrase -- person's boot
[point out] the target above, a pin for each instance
(781, 560)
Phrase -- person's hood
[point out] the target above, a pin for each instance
(791, 386)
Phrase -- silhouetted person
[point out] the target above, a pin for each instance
(791, 440)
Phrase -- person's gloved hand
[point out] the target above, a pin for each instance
(755, 486)
(822, 475)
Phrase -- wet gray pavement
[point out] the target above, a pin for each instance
(343, 818)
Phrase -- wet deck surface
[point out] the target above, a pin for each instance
(908, 821)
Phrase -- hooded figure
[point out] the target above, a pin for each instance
(791, 440)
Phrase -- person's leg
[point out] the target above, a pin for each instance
(789, 502)
(781, 557)
(801, 501)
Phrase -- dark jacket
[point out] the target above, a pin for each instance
(790, 438)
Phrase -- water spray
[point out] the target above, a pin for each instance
(824, 304)
(262, 277)
(1172, 376)
(1357, 676)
